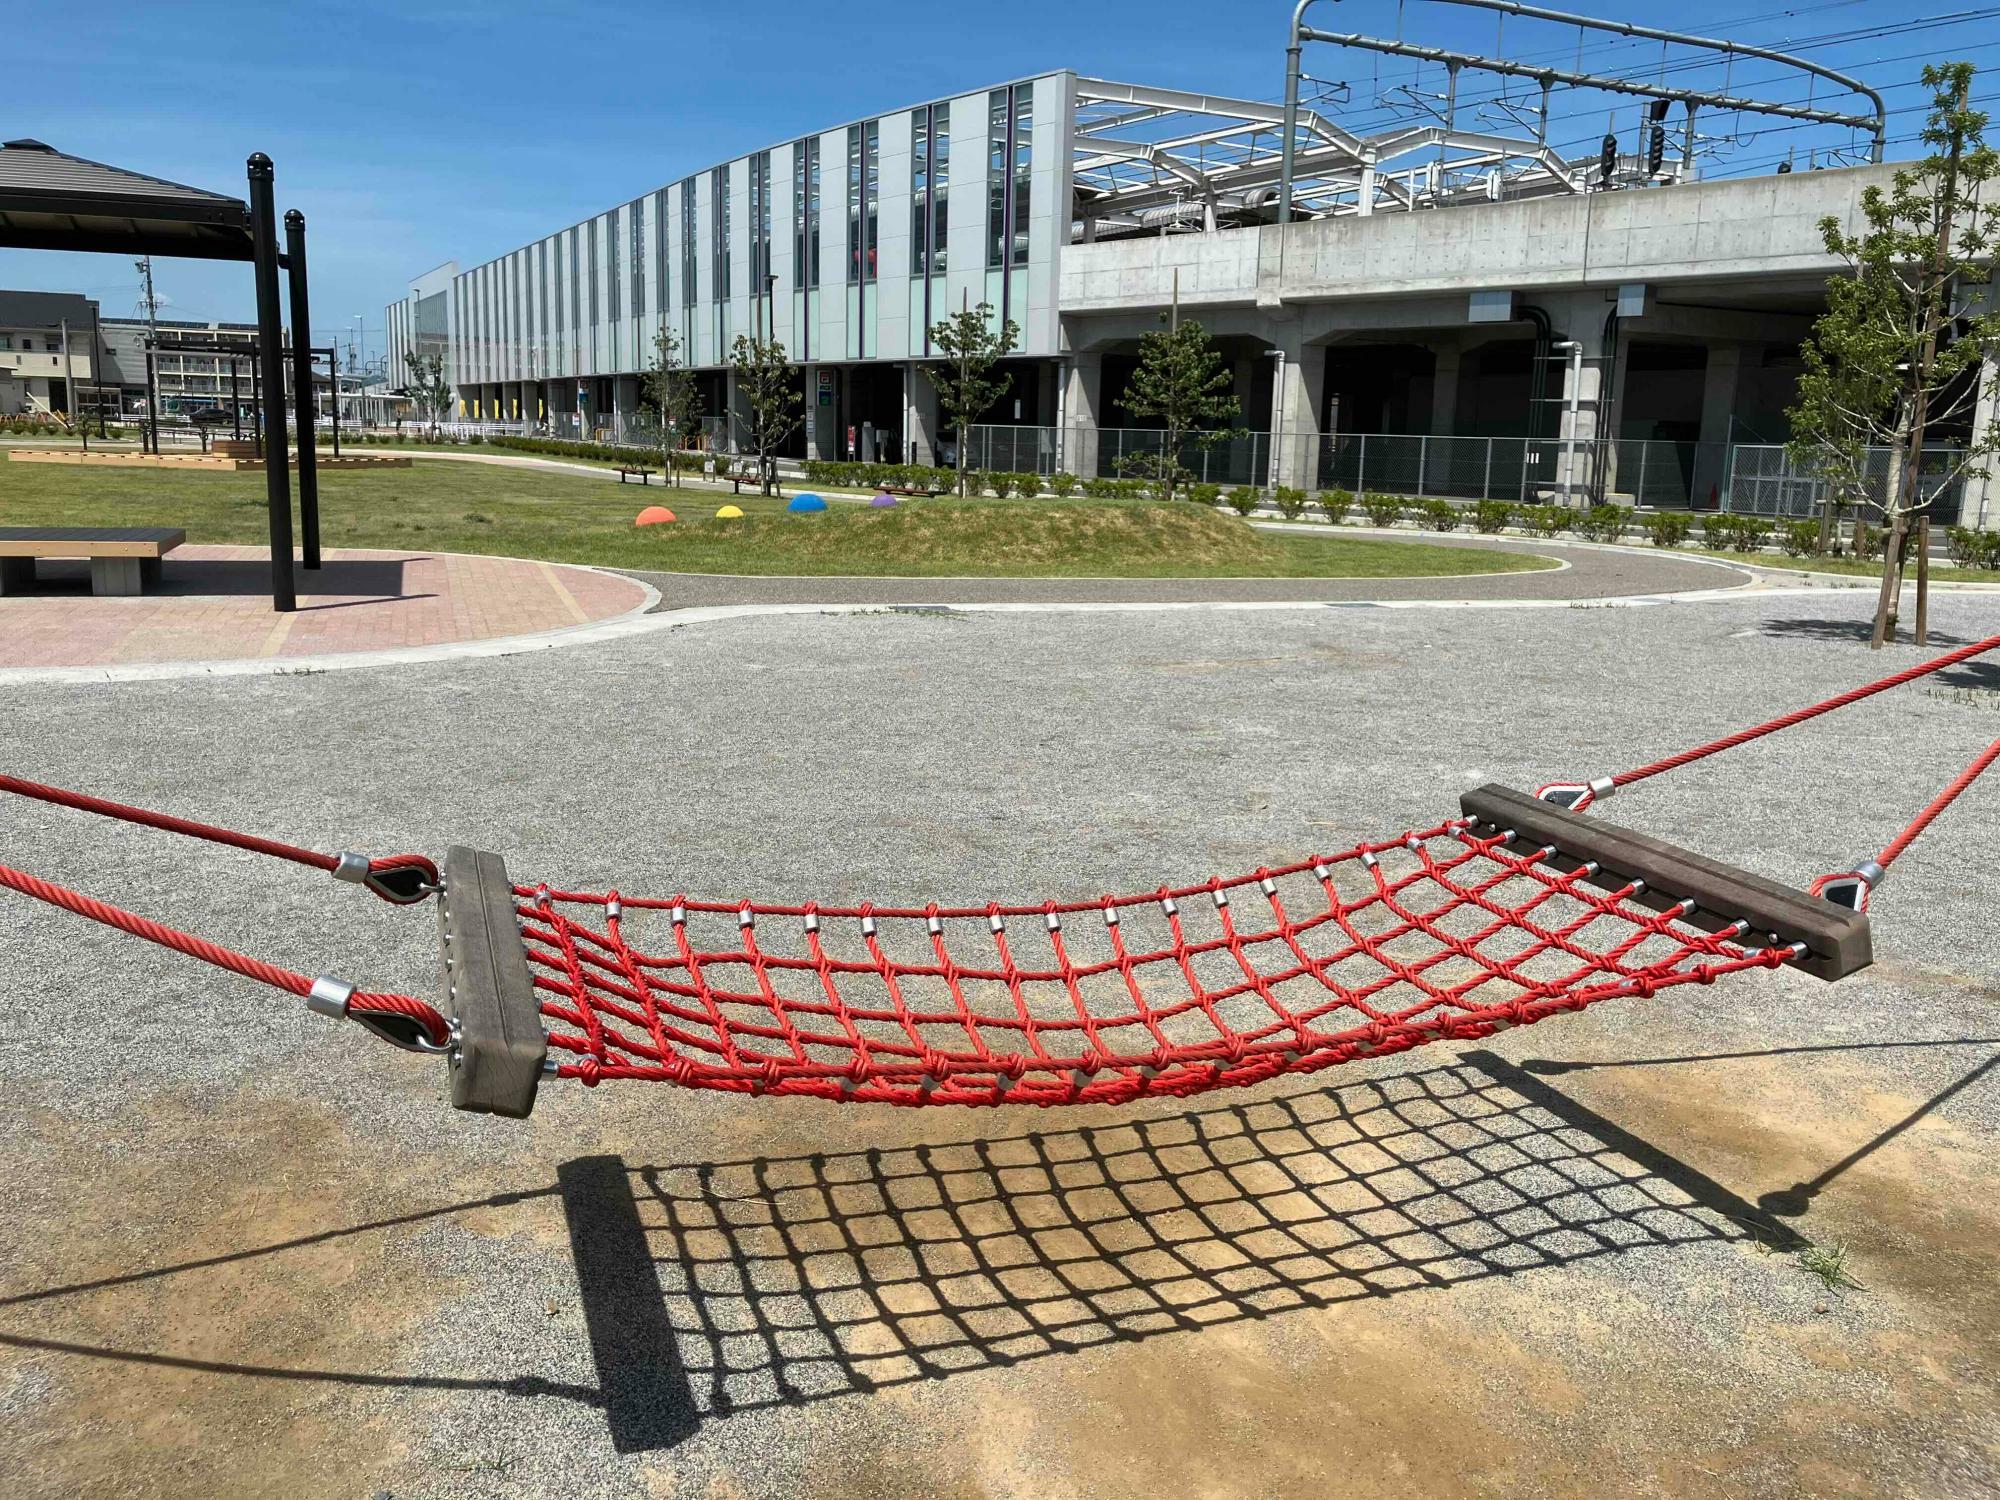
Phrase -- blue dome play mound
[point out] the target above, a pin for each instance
(802, 503)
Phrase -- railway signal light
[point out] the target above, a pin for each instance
(1607, 161)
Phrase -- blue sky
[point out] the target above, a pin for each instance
(410, 134)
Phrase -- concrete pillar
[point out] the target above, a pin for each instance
(921, 397)
(1579, 386)
(1981, 508)
(1718, 410)
(1082, 401)
(1444, 391)
(1298, 397)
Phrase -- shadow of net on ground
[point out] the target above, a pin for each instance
(716, 1288)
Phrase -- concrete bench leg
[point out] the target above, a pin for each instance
(17, 575)
(115, 576)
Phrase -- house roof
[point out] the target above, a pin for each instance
(53, 201)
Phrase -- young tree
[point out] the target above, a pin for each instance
(669, 387)
(428, 387)
(969, 346)
(1897, 351)
(769, 386)
(1182, 380)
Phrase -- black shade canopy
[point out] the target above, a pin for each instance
(49, 201)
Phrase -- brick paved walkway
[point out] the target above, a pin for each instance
(214, 605)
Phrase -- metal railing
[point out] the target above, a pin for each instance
(1765, 480)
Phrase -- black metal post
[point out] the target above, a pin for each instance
(271, 346)
(302, 387)
(333, 367)
(153, 397)
(235, 397)
(256, 406)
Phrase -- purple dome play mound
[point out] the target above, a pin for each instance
(883, 499)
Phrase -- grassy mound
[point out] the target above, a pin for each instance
(1039, 539)
(457, 506)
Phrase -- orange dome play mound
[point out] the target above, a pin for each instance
(654, 515)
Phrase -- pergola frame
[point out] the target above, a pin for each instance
(50, 201)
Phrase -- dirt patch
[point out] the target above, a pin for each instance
(200, 1300)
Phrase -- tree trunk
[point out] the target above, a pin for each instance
(1891, 595)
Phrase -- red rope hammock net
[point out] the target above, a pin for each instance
(1451, 933)
(1436, 935)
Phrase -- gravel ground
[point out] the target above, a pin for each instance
(1593, 573)
(253, 1253)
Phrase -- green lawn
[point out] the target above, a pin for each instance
(473, 507)
(1853, 567)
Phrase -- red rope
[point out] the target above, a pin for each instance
(1938, 804)
(1437, 935)
(126, 813)
(214, 953)
(1813, 711)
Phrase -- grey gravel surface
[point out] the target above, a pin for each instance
(1593, 573)
(251, 1252)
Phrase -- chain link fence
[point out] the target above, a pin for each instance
(1765, 480)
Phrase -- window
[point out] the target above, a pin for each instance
(576, 278)
(688, 255)
(1024, 135)
(636, 214)
(718, 184)
(760, 222)
(1009, 174)
(930, 170)
(615, 267)
(590, 270)
(998, 117)
(805, 212)
(660, 265)
(864, 195)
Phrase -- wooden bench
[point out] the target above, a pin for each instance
(124, 560)
(645, 474)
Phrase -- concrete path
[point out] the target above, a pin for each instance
(212, 610)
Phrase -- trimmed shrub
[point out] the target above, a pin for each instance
(1204, 494)
(1752, 532)
(1718, 532)
(1544, 520)
(1244, 499)
(1439, 515)
(1867, 541)
(1334, 504)
(1382, 510)
(1097, 487)
(1492, 516)
(1973, 549)
(1800, 539)
(1601, 523)
(1667, 528)
(1291, 502)
(1062, 484)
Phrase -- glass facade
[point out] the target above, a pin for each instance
(578, 302)
(1009, 174)
(864, 199)
(615, 268)
(635, 214)
(760, 221)
(805, 212)
(930, 178)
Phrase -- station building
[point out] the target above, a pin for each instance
(1448, 311)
